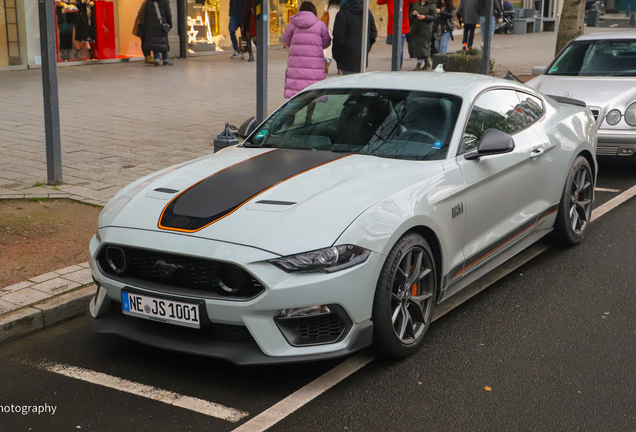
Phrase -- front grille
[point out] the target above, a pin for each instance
(606, 150)
(178, 274)
(317, 329)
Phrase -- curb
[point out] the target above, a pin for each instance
(45, 300)
(46, 313)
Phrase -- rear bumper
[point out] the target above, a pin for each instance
(616, 143)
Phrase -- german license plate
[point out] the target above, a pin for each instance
(162, 310)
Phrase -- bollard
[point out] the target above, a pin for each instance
(632, 20)
(225, 138)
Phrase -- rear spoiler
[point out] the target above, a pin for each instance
(570, 101)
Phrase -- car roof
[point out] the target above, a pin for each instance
(626, 34)
(465, 85)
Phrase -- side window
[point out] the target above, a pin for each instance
(496, 109)
(531, 106)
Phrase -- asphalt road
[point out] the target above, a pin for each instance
(554, 340)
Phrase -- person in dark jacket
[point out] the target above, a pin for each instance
(497, 14)
(155, 39)
(237, 14)
(422, 19)
(347, 36)
(445, 25)
(470, 16)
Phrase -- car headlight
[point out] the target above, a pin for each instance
(613, 117)
(328, 260)
(630, 115)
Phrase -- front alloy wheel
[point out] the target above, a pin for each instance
(405, 297)
(575, 208)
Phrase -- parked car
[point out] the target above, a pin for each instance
(343, 219)
(600, 69)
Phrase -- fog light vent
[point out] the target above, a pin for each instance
(116, 259)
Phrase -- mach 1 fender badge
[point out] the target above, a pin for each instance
(457, 210)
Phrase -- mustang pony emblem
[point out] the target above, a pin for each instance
(166, 268)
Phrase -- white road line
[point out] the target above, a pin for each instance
(154, 393)
(613, 203)
(598, 189)
(291, 403)
(296, 400)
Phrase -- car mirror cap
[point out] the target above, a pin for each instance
(492, 142)
(538, 70)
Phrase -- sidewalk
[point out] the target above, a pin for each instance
(125, 120)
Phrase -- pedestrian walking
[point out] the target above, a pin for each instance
(445, 25)
(237, 13)
(248, 26)
(139, 30)
(405, 24)
(158, 22)
(467, 11)
(329, 17)
(497, 14)
(307, 37)
(347, 36)
(422, 19)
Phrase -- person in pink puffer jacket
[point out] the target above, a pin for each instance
(306, 36)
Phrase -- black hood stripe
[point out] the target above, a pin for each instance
(220, 194)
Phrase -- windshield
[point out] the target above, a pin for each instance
(398, 124)
(597, 58)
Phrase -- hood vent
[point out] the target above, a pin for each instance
(272, 202)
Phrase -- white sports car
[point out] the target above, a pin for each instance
(599, 69)
(343, 219)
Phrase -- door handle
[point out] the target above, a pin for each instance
(536, 153)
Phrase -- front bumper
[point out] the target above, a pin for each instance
(352, 290)
(616, 142)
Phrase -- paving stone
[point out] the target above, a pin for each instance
(83, 276)
(44, 277)
(25, 296)
(15, 287)
(5, 306)
(68, 270)
(56, 286)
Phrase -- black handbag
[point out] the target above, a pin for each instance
(164, 27)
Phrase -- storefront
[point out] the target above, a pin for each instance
(208, 20)
(88, 30)
(101, 30)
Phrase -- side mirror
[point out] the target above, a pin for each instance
(247, 127)
(492, 142)
(538, 70)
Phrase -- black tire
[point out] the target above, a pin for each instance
(394, 335)
(575, 209)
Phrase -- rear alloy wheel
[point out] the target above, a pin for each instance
(575, 208)
(405, 297)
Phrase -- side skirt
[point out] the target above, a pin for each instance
(494, 263)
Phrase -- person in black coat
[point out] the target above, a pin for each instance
(156, 39)
(347, 36)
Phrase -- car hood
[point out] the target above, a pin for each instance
(291, 212)
(603, 92)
